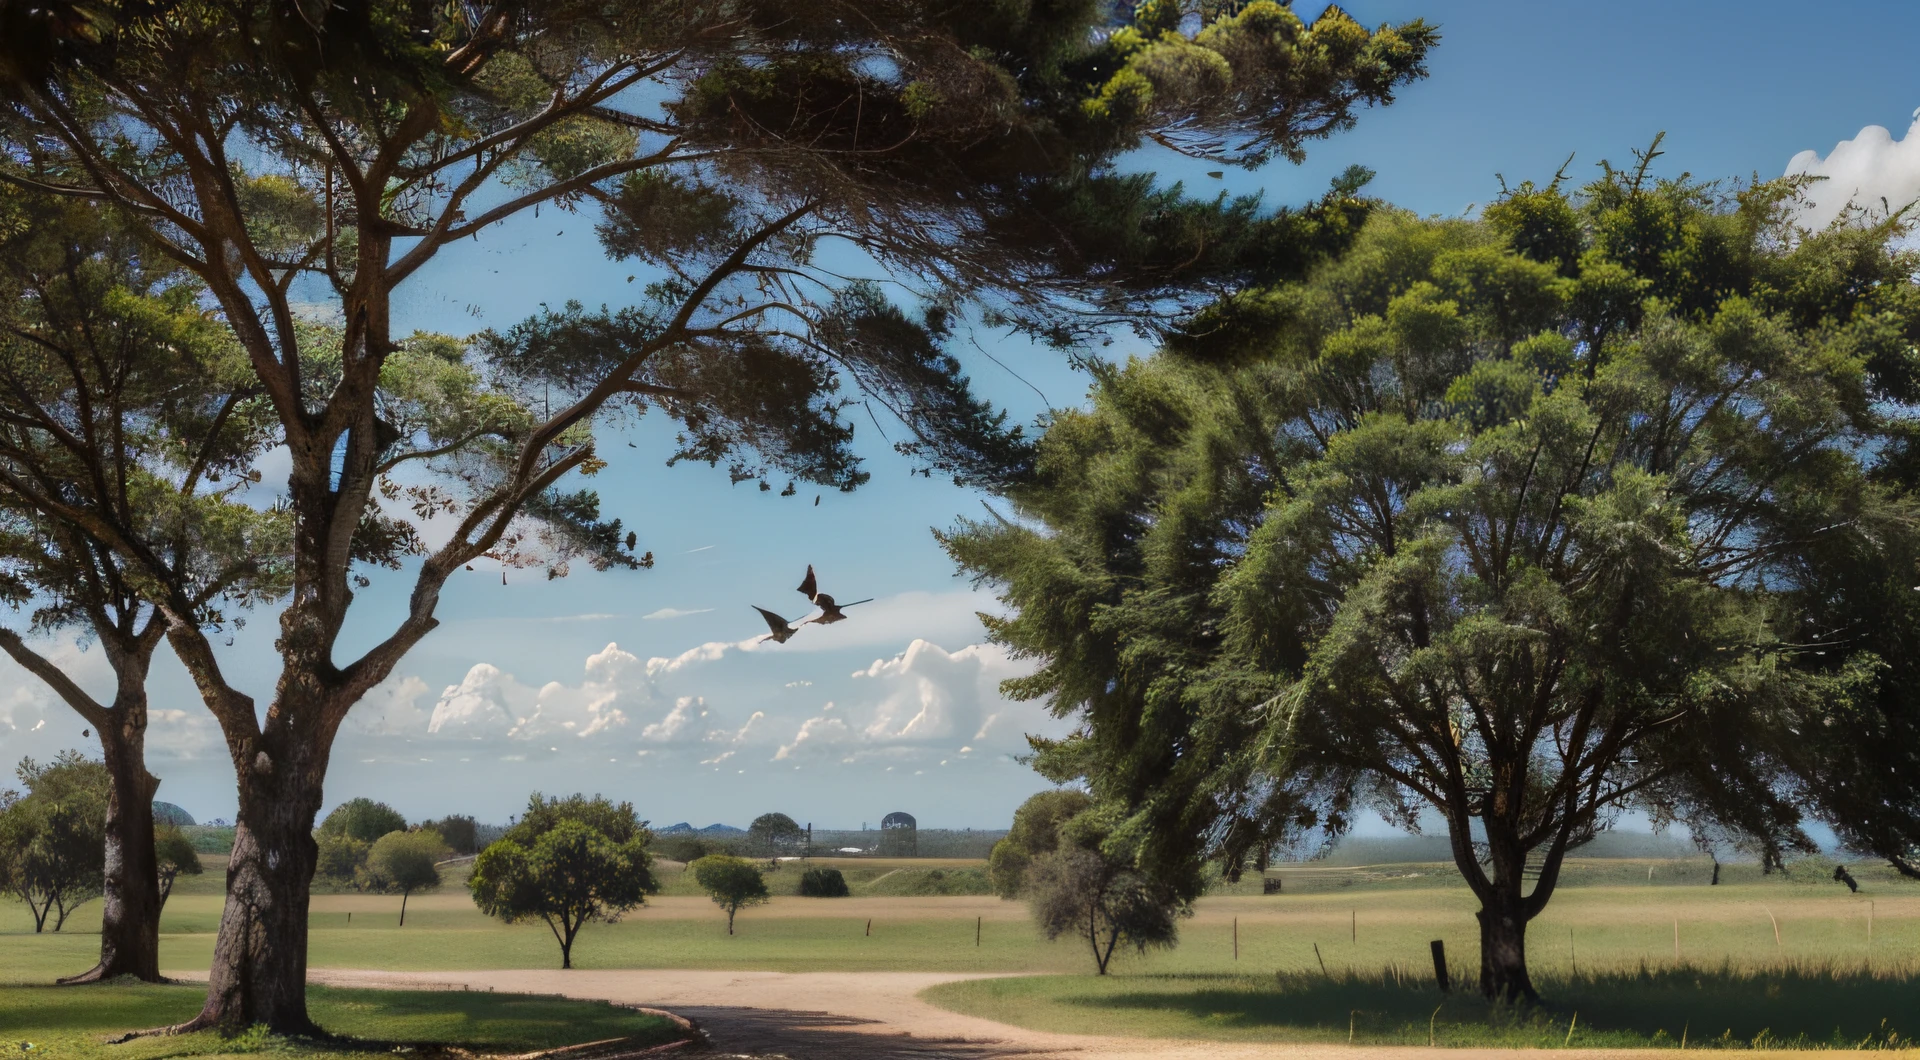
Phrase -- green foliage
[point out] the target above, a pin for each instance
(567, 861)
(168, 813)
(341, 857)
(1501, 520)
(388, 133)
(53, 838)
(1101, 899)
(210, 839)
(175, 856)
(682, 848)
(823, 883)
(460, 833)
(773, 834)
(1036, 831)
(733, 883)
(406, 862)
(362, 819)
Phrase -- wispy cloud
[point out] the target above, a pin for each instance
(673, 612)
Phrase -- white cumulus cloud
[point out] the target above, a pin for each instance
(924, 698)
(1872, 171)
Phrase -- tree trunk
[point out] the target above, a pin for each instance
(730, 913)
(130, 919)
(1503, 950)
(259, 973)
(403, 907)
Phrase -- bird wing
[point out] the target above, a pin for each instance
(809, 586)
(774, 622)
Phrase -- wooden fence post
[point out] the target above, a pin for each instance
(1439, 948)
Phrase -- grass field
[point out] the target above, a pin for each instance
(70, 1023)
(1366, 925)
(1673, 1006)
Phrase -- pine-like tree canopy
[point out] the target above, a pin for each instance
(1509, 523)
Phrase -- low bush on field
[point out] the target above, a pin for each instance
(823, 883)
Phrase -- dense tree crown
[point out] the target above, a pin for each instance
(406, 862)
(1501, 521)
(363, 819)
(52, 841)
(733, 883)
(1036, 831)
(118, 396)
(1080, 880)
(174, 857)
(771, 834)
(567, 862)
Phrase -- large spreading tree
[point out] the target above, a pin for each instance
(756, 153)
(118, 394)
(1508, 523)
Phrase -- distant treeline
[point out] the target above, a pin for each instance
(931, 842)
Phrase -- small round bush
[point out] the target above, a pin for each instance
(823, 883)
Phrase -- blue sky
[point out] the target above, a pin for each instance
(522, 687)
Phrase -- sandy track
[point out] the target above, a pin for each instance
(871, 1016)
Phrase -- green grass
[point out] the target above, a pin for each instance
(1792, 1007)
(1608, 920)
(1365, 927)
(72, 1023)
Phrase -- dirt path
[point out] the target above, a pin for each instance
(873, 1016)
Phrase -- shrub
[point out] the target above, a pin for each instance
(823, 883)
(341, 857)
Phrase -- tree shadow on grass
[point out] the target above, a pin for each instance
(1791, 1005)
(825, 1036)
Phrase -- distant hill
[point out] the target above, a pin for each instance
(712, 831)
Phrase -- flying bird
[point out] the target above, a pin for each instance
(779, 630)
(830, 612)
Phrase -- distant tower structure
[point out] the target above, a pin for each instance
(899, 836)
